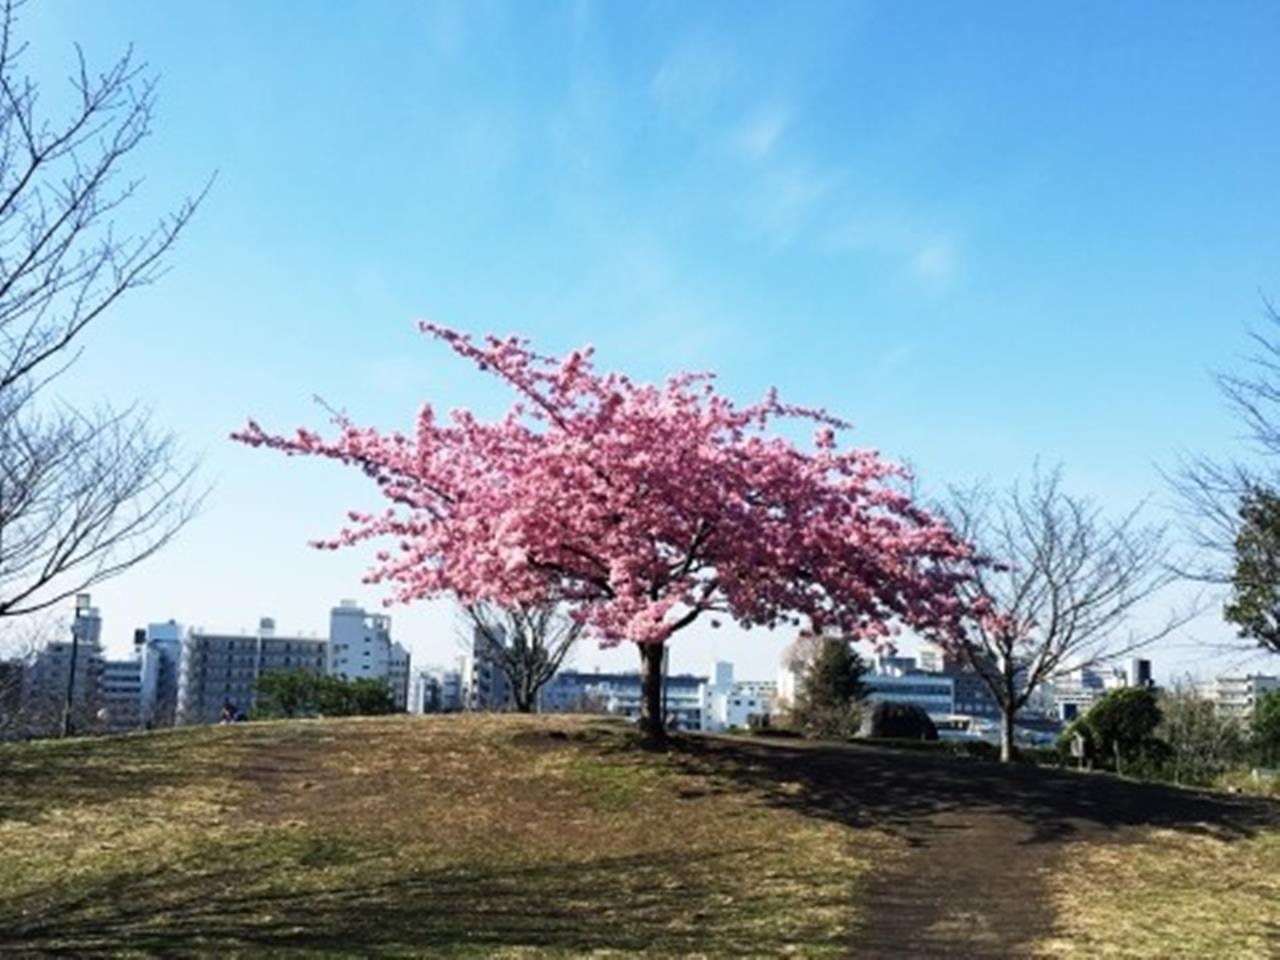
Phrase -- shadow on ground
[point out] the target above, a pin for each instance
(903, 791)
(967, 880)
(980, 839)
(610, 904)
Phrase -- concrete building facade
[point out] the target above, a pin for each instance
(222, 670)
(121, 696)
(361, 648)
(1236, 697)
(735, 705)
(577, 691)
(65, 674)
(484, 684)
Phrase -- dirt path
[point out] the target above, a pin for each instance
(979, 839)
(945, 899)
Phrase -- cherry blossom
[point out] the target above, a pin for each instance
(642, 507)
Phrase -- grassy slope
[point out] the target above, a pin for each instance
(1170, 895)
(465, 836)
(502, 836)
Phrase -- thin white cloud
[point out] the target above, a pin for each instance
(761, 131)
(786, 199)
(692, 79)
(935, 260)
(928, 254)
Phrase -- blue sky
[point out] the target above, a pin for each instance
(984, 233)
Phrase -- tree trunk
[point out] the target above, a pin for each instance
(1006, 733)
(652, 722)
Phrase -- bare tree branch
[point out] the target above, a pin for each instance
(1059, 583)
(84, 495)
(528, 643)
(1210, 492)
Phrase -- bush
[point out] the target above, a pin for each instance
(305, 694)
(829, 701)
(1201, 744)
(903, 721)
(1039, 756)
(1265, 731)
(1121, 725)
(1255, 782)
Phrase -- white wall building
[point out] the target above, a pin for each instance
(359, 643)
(436, 690)
(1236, 697)
(579, 691)
(361, 648)
(1074, 691)
(734, 705)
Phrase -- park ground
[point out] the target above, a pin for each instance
(487, 836)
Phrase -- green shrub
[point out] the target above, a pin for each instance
(301, 693)
(1265, 730)
(828, 704)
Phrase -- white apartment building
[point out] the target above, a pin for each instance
(361, 648)
(437, 690)
(1074, 691)
(1235, 697)
(734, 705)
(579, 691)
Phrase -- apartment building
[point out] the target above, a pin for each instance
(221, 670)
(361, 648)
(1236, 697)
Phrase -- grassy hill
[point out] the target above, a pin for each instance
(502, 836)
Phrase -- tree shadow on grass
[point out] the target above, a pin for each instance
(83, 772)
(979, 837)
(901, 791)
(651, 904)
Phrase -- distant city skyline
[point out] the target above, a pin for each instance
(980, 252)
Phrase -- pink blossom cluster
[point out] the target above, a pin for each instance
(642, 507)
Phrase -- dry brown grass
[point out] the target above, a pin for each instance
(1172, 894)
(473, 836)
(487, 836)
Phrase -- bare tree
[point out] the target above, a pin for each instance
(83, 495)
(1059, 584)
(528, 644)
(12, 706)
(1211, 492)
(1201, 743)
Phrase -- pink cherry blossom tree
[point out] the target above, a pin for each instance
(642, 508)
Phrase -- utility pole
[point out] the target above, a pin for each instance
(83, 613)
(69, 706)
